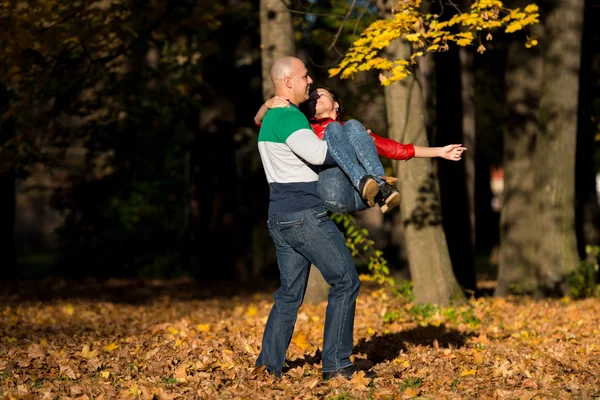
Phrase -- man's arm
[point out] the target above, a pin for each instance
(309, 147)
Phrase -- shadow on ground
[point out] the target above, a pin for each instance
(387, 347)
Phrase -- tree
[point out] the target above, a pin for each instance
(517, 261)
(554, 162)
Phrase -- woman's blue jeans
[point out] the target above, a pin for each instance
(302, 238)
(356, 155)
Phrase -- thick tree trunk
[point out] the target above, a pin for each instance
(516, 261)
(429, 259)
(587, 212)
(276, 38)
(555, 151)
(453, 184)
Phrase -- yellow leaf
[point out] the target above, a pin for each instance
(478, 357)
(203, 327)
(110, 347)
(69, 309)
(359, 381)
(86, 353)
(249, 349)
(468, 372)
(301, 341)
(134, 390)
(411, 392)
(105, 374)
(252, 311)
(172, 330)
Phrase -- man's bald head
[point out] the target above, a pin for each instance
(290, 79)
(282, 67)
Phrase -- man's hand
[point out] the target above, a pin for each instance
(452, 152)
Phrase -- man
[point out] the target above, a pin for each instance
(302, 231)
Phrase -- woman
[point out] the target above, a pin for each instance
(324, 110)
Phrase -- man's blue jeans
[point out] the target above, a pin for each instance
(302, 238)
(356, 155)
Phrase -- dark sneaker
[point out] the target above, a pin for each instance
(390, 198)
(348, 372)
(368, 189)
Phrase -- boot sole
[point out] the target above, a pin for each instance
(392, 201)
(369, 191)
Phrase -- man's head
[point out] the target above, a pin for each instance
(290, 79)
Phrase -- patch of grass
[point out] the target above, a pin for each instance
(454, 384)
(405, 290)
(423, 311)
(411, 383)
(391, 316)
(169, 381)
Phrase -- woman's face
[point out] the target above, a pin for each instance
(325, 106)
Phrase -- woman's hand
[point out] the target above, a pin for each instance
(452, 152)
(277, 101)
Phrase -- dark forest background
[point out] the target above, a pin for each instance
(128, 148)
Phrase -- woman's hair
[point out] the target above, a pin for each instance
(308, 107)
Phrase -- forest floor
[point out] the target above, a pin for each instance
(181, 340)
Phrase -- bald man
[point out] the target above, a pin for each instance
(302, 231)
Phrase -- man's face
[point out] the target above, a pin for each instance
(301, 82)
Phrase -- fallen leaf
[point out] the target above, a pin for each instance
(411, 392)
(110, 347)
(86, 353)
(359, 381)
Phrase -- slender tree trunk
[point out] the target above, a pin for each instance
(555, 151)
(516, 261)
(429, 259)
(7, 223)
(467, 83)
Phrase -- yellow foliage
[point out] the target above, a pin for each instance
(427, 32)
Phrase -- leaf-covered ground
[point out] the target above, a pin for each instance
(178, 340)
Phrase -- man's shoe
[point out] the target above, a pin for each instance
(390, 198)
(348, 372)
(368, 189)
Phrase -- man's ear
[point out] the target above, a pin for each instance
(288, 82)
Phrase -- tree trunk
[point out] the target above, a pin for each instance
(555, 151)
(467, 83)
(516, 261)
(587, 212)
(429, 259)
(7, 223)
(453, 184)
(276, 38)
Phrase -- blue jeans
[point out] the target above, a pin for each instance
(302, 238)
(356, 155)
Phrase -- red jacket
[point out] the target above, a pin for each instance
(385, 147)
